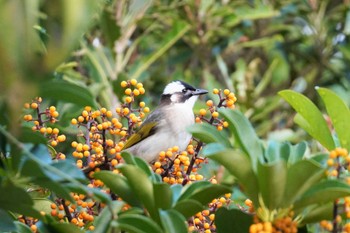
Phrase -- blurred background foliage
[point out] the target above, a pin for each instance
(78, 52)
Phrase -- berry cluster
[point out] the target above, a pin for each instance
(338, 167)
(49, 115)
(204, 220)
(227, 99)
(94, 145)
(173, 163)
(281, 225)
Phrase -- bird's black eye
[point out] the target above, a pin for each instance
(184, 90)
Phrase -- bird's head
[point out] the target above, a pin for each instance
(179, 92)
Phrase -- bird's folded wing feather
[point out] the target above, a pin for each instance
(145, 131)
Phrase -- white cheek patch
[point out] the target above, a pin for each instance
(175, 98)
(173, 88)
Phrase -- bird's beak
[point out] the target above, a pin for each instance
(199, 92)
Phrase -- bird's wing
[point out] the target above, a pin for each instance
(146, 130)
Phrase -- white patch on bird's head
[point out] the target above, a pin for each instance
(173, 87)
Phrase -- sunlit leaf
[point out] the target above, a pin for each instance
(309, 117)
(339, 114)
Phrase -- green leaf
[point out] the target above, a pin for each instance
(42, 204)
(272, 179)
(162, 195)
(56, 227)
(22, 228)
(29, 136)
(137, 224)
(179, 28)
(188, 207)
(7, 222)
(297, 152)
(16, 200)
(300, 177)
(173, 221)
(118, 185)
(232, 221)
(176, 191)
(103, 221)
(208, 133)
(238, 165)
(309, 117)
(339, 114)
(318, 213)
(191, 189)
(244, 133)
(206, 194)
(142, 188)
(323, 192)
(68, 92)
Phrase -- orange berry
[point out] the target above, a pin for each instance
(34, 106)
(215, 91)
(202, 112)
(210, 103)
(215, 114)
(227, 92)
(127, 91)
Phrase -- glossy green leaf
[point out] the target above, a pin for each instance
(142, 188)
(29, 136)
(276, 151)
(323, 192)
(300, 177)
(17, 200)
(309, 117)
(238, 164)
(233, 220)
(297, 152)
(68, 92)
(318, 213)
(208, 133)
(104, 219)
(137, 224)
(191, 189)
(206, 194)
(339, 114)
(162, 195)
(176, 192)
(173, 221)
(188, 207)
(42, 204)
(22, 228)
(118, 185)
(272, 179)
(57, 227)
(244, 133)
(7, 222)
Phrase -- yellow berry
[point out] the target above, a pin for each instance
(61, 138)
(133, 82)
(142, 104)
(53, 143)
(210, 103)
(136, 92)
(74, 121)
(227, 92)
(26, 105)
(215, 91)
(142, 90)
(127, 91)
(123, 84)
(34, 105)
(55, 131)
(202, 112)
(146, 109)
(215, 114)
(128, 99)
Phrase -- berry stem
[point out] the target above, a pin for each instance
(66, 210)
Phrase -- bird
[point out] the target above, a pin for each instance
(165, 127)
